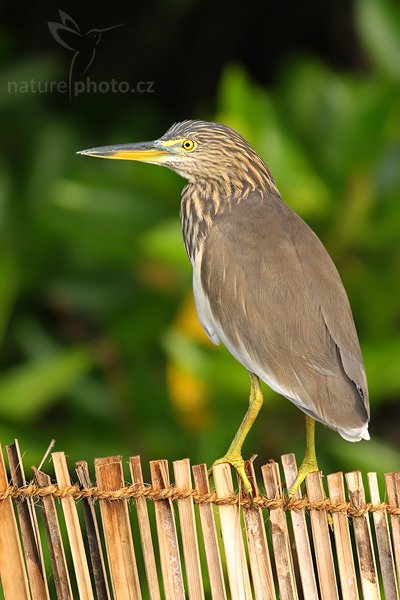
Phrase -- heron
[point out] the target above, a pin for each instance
(264, 285)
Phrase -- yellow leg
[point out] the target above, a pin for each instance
(309, 464)
(234, 454)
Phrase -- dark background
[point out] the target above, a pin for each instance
(100, 344)
(185, 46)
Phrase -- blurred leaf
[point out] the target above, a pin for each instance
(246, 107)
(27, 390)
(94, 223)
(164, 242)
(371, 456)
(213, 365)
(53, 151)
(382, 362)
(15, 80)
(342, 120)
(9, 279)
(189, 395)
(5, 190)
(185, 352)
(378, 23)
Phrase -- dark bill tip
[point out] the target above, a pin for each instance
(145, 151)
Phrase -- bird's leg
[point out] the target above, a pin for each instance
(309, 464)
(234, 454)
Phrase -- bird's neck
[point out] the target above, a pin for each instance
(203, 201)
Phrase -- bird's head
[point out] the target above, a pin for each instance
(197, 150)
(94, 35)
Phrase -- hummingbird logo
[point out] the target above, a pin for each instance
(83, 45)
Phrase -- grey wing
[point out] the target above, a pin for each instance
(336, 312)
(275, 299)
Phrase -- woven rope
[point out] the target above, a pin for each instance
(134, 492)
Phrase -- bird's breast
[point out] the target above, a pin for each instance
(196, 220)
(201, 206)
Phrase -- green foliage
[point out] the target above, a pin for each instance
(100, 347)
(27, 390)
(379, 26)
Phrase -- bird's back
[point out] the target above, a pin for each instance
(266, 287)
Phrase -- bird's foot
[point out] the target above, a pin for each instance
(236, 460)
(309, 465)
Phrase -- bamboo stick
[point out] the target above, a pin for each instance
(362, 534)
(397, 486)
(238, 575)
(145, 531)
(383, 541)
(279, 534)
(167, 537)
(211, 547)
(117, 531)
(73, 529)
(54, 541)
(14, 580)
(300, 532)
(190, 543)
(93, 535)
(322, 544)
(347, 572)
(260, 562)
(29, 531)
(393, 495)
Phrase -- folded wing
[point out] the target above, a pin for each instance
(266, 287)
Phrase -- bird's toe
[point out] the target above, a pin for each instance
(307, 466)
(237, 462)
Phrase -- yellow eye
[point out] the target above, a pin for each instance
(188, 145)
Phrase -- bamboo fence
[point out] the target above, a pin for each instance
(69, 540)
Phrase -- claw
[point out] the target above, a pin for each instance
(238, 463)
(307, 466)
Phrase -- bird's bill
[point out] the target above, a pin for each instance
(151, 152)
(109, 28)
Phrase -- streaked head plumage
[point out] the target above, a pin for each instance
(209, 150)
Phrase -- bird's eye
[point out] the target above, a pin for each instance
(188, 145)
